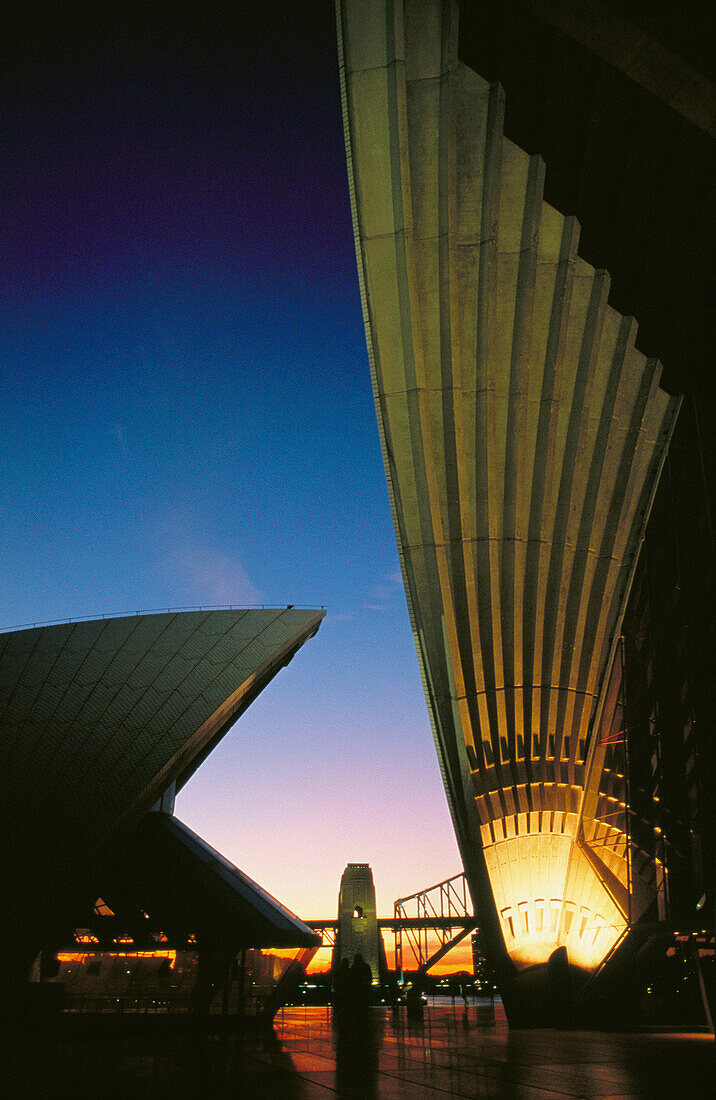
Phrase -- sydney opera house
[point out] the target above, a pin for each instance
(547, 490)
(102, 722)
(526, 179)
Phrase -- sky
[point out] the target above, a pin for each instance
(186, 411)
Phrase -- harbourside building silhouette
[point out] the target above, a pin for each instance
(549, 490)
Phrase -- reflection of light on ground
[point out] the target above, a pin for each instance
(444, 1055)
(449, 1054)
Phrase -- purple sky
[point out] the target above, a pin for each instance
(187, 415)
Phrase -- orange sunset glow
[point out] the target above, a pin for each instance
(460, 958)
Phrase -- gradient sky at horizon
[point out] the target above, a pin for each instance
(187, 415)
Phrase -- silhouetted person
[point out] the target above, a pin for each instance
(357, 1043)
(393, 998)
(361, 982)
(414, 1001)
(462, 989)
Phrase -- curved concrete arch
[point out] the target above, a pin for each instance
(523, 436)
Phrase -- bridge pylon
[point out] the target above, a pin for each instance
(357, 929)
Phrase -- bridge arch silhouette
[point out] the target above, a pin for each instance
(426, 925)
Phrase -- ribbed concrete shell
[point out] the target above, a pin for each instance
(523, 436)
(98, 718)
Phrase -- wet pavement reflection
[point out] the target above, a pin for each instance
(449, 1053)
(376, 1054)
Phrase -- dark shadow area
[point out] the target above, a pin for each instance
(378, 1055)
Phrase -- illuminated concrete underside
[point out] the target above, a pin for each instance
(523, 435)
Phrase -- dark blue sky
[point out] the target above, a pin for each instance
(187, 414)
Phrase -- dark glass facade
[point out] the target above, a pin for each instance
(669, 680)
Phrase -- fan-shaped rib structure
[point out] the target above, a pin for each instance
(523, 436)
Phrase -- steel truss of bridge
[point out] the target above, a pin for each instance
(444, 911)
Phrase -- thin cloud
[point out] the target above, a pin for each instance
(388, 588)
(338, 617)
(208, 574)
(215, 576)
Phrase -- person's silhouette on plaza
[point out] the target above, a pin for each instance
(414, 1002)
(358, 1041)
(361, 979)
